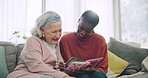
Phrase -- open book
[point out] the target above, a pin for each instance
(75, 64)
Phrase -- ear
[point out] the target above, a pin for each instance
(78, 20)
(93, 31)
(42, 29)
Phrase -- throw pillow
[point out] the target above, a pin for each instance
(144, 65)
(134, 56)
(3, 65)
(116, 64)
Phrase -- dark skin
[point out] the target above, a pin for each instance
(84, 29)
(61, 66)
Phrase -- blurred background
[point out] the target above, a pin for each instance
(125, 20)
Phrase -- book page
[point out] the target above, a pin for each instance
(75, 64)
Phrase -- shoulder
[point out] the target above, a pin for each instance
(32, 43)
(98, 37)
(68, 36)
(33, 40)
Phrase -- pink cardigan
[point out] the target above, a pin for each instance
(36, 60)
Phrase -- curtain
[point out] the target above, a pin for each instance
(71, 10)
(12, 18)
(134, 21)
(20, 16)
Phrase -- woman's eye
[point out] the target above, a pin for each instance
(54, 32)
(60, 30)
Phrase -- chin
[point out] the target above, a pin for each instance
(55, 43)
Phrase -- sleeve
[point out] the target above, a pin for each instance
(34, 62)
(63, 53)
(103, 65)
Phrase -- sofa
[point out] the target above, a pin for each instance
(129, 60)
(9, 57)
(118, 62)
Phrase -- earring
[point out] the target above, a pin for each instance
(43, 35)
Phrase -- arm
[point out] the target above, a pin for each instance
(103, 65)
(33, 59)
(63, 53)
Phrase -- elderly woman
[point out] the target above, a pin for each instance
(41, 56)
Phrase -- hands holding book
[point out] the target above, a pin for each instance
(61, 66)
(77, 66)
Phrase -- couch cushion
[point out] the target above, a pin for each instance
(129, 53)
(3, 65)
(144, 65)
(10, 52)
(116, 64)
(19, 50)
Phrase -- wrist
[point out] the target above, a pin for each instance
(66, 76)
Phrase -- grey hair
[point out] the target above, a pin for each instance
(44, 20)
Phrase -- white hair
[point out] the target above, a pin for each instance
(44, 20)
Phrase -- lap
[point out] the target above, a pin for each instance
(24, 74)
(92, 75)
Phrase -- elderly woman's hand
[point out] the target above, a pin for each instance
(61, 66)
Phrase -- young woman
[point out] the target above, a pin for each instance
(85, 44)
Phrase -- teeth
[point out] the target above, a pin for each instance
(81, 35)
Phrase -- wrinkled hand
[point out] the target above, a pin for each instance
(61, 66)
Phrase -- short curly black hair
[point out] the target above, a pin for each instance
(91, 17)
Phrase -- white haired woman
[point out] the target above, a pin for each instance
(40, 57)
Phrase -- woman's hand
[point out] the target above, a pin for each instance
(61, 66)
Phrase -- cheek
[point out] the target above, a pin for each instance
(60, 34)
(49, 35)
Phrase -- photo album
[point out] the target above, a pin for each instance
(75, 64)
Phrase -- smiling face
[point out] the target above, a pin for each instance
(52, 33)
(84, 29)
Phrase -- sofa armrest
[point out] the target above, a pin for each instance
(19, 50)
(10, 54)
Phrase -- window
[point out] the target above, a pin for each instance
(20, 15)
(71, 10)
(134, 21)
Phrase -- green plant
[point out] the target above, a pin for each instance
(17, 35)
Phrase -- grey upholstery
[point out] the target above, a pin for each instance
(133, 55)
(10, 52)
(19, 49)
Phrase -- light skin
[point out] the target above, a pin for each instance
(52, 34)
